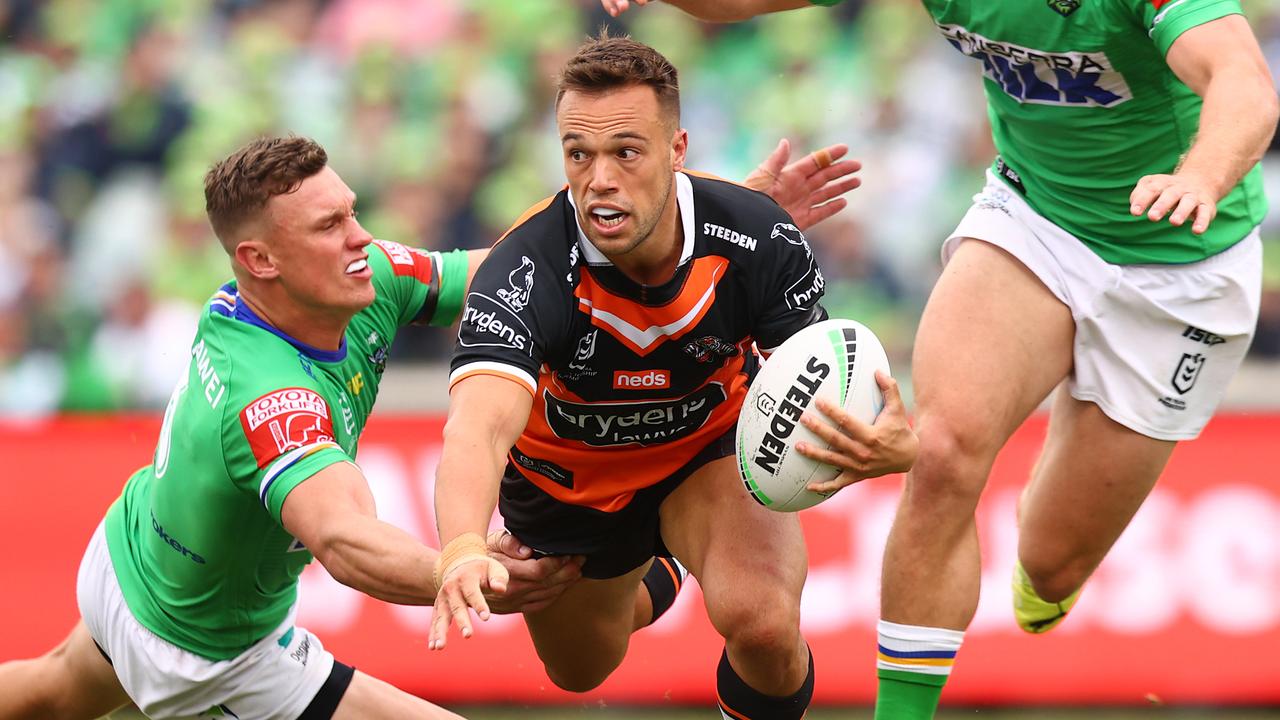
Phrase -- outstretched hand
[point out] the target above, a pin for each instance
(862, 450)
(463, 578)
(617, 7)
(806, 187)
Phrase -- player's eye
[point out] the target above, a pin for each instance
(577, 155)
(628, 153)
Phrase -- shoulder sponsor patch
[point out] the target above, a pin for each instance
(285, 420)
(407, 261)
(487, 322)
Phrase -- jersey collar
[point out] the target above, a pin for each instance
(226, 302)
(684, 201)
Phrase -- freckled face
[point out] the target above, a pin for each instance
(621, 151)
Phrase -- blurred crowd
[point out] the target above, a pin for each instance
(438, 113)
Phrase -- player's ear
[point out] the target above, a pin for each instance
(255, 258)
(679, 147)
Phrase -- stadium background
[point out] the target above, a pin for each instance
(438, 113)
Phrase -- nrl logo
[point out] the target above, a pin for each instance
(1064, 7)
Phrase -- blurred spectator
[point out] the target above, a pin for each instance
(440, 115)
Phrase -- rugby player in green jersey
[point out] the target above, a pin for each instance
(1109, 117)
(187, 591)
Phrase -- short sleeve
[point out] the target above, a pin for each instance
(425, 287)
(1166, 20)
(509, 316)
(793, 285)
(290, 436)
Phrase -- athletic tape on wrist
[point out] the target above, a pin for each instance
(464, 548)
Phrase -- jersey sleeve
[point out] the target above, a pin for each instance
(424, 287)
(512, 312)
(289, 437)
(792, 286)
(1165, 20)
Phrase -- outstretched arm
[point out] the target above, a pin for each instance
(486, 415)
(1221, 61)
(714, 10)
(332, 513)
(806, 187)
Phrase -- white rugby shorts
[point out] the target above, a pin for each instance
(1155, 345)
(276, 678)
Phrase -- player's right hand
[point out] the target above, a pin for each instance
(617, 7)
(462, 588)
(534, 582)
(1181, 196)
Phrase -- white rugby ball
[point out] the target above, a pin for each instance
(836, 359)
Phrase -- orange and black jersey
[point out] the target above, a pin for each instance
(629, 382)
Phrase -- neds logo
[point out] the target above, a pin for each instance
(641, 379)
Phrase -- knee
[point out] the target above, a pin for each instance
(767, 627)
(578, 679)
(952, 467)
(1055, 576)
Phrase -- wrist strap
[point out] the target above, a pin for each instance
(464, 548)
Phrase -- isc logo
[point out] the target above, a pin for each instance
(641, 379)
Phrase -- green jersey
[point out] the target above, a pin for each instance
(1082, 105)
(196, 537)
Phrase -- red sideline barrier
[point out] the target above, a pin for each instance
(1186, 609)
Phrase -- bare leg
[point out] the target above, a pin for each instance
(752, 592)
(993, 342)
(370, 698)
(1078, 503)
(71, 681)
(583, 636)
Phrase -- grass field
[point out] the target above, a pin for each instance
(860, 713)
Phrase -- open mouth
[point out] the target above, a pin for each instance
(358, 266)
(607, 218)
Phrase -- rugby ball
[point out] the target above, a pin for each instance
(836, 359)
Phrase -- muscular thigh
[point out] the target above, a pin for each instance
(992, 344)
(734, 546)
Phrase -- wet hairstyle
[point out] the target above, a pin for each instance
(238, 187)
(606, 63)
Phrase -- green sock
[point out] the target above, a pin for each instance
(907, 695)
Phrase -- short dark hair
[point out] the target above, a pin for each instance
(606, 63)
(239, 186)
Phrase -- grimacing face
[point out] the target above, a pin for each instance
(621, 150)
(319, 248)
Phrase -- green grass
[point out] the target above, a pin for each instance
(859, 713)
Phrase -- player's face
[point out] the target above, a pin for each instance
(319, 247)
(621, 151)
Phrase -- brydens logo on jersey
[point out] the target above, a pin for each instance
(285, 420)
(646, 423)
(487, 322)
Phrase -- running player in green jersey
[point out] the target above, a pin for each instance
(1109, 117)
(187, 590)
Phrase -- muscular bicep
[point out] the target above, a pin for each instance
(320, 507)
(1224, 45)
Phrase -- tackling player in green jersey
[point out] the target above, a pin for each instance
(187, 590)
(1109, 117)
